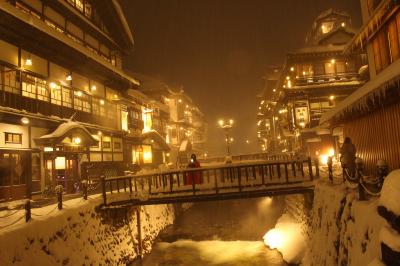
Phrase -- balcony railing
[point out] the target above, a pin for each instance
(322, 79)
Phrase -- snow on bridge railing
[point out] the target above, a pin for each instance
(230, 178)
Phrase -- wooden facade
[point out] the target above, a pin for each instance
(377, 136)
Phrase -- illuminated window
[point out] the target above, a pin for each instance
(88, 9)
(82, 102)
(55, 94)
(98, 107)
(79, 5)
(13, 138)
(124, 118)
(147, 154)
(117, 145)
(326, 27)
(106, 144)
(66, 97)
(147, 120)
(10, 80)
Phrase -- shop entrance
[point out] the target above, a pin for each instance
(63, 169)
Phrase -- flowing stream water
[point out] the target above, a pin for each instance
(223, 233)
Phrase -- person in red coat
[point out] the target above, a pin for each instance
(193, 176)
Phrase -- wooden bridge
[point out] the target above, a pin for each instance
(230, 181)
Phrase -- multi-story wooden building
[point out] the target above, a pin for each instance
(186, 131)
(371, 115)
(67, 109)
(313, 80)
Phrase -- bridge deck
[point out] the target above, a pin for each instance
(243, 180)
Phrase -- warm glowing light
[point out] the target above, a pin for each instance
(69, 77)
(274, 239)
(276, 118)
(302, 124)
(221, 122)
(180, 100)
(292, 69)
(279, 137)
(53, 85)
(167, 154)
(304, 73)
(333, 61)
(324, 158)
(77, 140)
(343, 24)
(79, 93)
(289, 84)
(46, 149)
(28, 62)
(262, 102)
(231, 140)
(274, 90)
(287, 78)
(332, 97)
(94, 88)
(102, 102)
(99, 133)
(25, 120)
(60, 163)
(231, 121)
(247, 141)
(115, 96)
(331, 152)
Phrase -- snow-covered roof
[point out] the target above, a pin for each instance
(123, 21)
(331, 11)
(375, 22)
(326, 85)
(63, 130)
(319, 49)
(358, 99)
(154, 135)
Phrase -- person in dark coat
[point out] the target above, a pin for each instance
(348, 155)
(193, 176)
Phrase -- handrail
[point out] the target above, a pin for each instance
(210, 180)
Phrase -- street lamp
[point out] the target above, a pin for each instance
(227, 126)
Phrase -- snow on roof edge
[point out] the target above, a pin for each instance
(387, 75)
(122, 18)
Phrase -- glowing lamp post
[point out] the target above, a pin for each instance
(227, 126)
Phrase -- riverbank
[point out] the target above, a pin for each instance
(81, 234)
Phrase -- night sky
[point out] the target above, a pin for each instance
(218, 51)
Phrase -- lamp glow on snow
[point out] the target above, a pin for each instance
(274, 239)
(324, 159)
(77, 140)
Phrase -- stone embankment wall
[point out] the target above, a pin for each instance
(343, 230)
(84, 235)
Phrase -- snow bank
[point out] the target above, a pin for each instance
(288, 238)
(344, 231)
(390, 193)
(390, 237)
(81, 235)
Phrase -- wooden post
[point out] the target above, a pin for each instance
(85, 189)
(239, 179)
(59, 200)
(171, 182)
(286, 173)
(310, 168)
(216, 181)
(262, 175)
(150, 179)
(135, 183)
(193, 183)
(139, 230)
(254, 172)
(294, 169)
(28, 213)
(118, 185)
(278, 168)
(130, 184)
(125, 184)
(103, 187)
(316, 162)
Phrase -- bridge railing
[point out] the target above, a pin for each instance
(230, 178)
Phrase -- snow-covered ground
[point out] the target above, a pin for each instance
(80, 234)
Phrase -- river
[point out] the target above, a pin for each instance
(222, 233)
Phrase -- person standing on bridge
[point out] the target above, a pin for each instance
(348, 156)
(193, 176)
